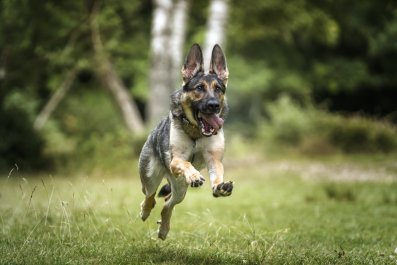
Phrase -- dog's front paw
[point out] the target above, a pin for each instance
(223, 189)
(194, 179)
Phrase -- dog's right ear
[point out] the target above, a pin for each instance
(194, 63)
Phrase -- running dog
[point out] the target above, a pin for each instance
(188, 139)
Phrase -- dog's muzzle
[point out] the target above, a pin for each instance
(212, 106)
(208, 117)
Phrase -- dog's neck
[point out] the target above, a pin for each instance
(179, 116)
(191, 129)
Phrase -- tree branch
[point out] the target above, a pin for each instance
(112, 82)
(51, 105)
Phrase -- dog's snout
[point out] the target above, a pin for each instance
(213, 105)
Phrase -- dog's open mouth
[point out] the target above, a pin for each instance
(209, 123)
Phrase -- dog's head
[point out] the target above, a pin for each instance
(203, 98)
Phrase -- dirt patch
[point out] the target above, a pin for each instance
(321, 171)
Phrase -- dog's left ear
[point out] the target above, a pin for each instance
(218, 64)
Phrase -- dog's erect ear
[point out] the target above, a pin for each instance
(218, 64)
(194, 63)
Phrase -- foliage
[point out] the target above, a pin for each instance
(277, 215)
(335, 54)
(53, 36)
(88, 135)
(332, 52)
(316, 131)
(358, 134)
(20, 147)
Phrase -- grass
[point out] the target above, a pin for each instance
(281, 212)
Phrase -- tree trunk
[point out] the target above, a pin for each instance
(168, 35)
(51, 105)
(160, 82)
(216, 27)
(112, 81)
(177, 40)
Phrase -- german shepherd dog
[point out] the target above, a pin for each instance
(188, 139)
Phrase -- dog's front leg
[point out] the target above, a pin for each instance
(215, 170)
(182, 148)
(182, 168)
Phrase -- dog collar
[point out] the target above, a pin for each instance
(185, 121)
(192, 130)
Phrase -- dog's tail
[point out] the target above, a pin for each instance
(164, 191)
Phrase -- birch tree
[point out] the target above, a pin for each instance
(178, 36)
(216, 27)
(168, 35)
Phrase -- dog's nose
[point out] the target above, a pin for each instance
(213, 105)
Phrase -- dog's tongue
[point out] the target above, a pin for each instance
(214, 120)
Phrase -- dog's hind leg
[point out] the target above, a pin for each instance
(151, 174)
(147, 205)
(165, 192)
(178, 191)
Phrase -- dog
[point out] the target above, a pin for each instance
(188, 139)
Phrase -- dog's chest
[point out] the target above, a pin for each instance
(194, 151)
(197, 157)
(203, 147)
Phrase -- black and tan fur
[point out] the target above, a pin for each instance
(188, 139)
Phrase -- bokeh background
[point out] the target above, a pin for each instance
(311, 138)
(82, 82)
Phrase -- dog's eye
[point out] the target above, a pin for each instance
(200, 88)
(218, 89)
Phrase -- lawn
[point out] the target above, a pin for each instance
(338, 211)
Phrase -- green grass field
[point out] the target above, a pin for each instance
(281, 212)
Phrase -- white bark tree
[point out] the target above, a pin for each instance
(168, 35)
(178, 36)
(216, 27)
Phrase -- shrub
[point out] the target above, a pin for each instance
(312, 130)
(360, 134)
(20, 146)
(288, 123)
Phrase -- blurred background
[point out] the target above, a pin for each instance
(83, 82)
